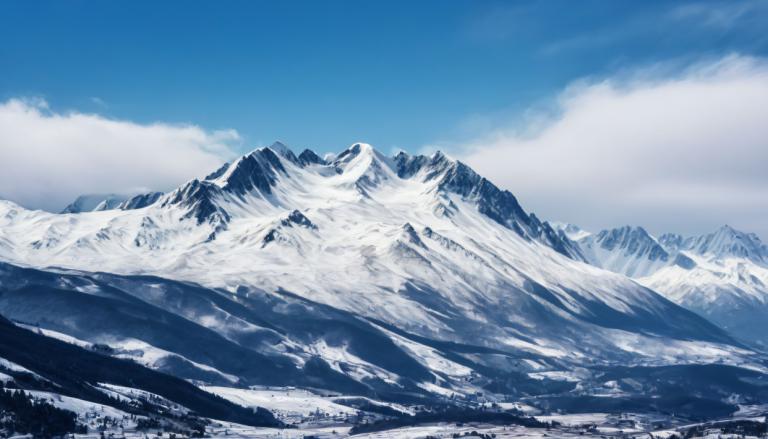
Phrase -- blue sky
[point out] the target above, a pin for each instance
(595, 112)
(327, 73)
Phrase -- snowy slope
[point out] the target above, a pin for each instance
(722, 275)
(285, 403)
(730, 291)
(80, 378)
(419, 250)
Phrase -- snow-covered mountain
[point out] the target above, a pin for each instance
(94, 202)
(571, 231)
(99, 202)
(627, 250)
(359, 271)
(725, 242)
(722, 275)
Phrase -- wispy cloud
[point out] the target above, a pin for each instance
(47, 158)
(691, 24)
(98, 101)
(682, 152)
(720, 15)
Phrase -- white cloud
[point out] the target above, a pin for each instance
(48, 158)
(686, 152)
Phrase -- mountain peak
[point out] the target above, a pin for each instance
(309, 157)
(671, 241)
(257, 170)
(94, 203)
(455, 177)
(627, 237)
(629, 250)
(726, 242)
(277, 148)
(364, 167)
(280, 148)
(355, 150)
(140, 201)
(726, 228)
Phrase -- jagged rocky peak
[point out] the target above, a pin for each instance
(455, 177)
(672, 242)
(308, 157)
(258, 170)
(140, 201)
(254, 173)
(499, 205)
(281, 148)
(271, 236)
(358, 156)
(101, 202)
(410, 235)
(364, 168)
(361, 152)
(298, 218)
(409, 165)
(629, 250)
(278, 233)
(632, 241)
(350, 153)
(728, 242)
(199, 197)
(265, 157)
(285, 151)
(108, 204)
(218, 172)
(724, 242)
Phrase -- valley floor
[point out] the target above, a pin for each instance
(322, 417)
(603, 428)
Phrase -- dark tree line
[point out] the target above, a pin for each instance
(451, 415)
(20, 413)
(74, 370)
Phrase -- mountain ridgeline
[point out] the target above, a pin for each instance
(259, 171)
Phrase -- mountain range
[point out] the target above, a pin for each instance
(722, 275)
(406, 278)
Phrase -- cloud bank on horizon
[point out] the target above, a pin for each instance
(47, 158)
(682, 152)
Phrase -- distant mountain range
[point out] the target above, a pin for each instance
(405, 278)
(99, 202)
(722, 275)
